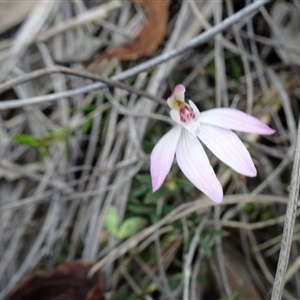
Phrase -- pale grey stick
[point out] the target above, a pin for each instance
(84, 74)
(288, 227)
(200, 39)
(189, 257)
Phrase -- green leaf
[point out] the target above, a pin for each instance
(111, 220)
(89, 108)
(185, 184)
(154, 218)
(205, 247)
(235, 68)
(144, 178)
(56, 136)
(87, 125)
(151, 198)
(26, 139)
(152, 288)
(139, 209)
(139, 191)
(130, 226)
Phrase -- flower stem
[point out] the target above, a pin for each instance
(288, 228)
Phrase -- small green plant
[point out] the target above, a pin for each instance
(127, 228)
(258, 211)
(43, 143)
(234, 67)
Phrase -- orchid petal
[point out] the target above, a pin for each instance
(162, 156)
(226, 145)
(195, 165)
(194, 108)
(234, 119)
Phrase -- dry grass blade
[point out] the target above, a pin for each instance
(26, 35)
(13, 13)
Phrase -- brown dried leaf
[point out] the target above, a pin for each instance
(151, 35)
(69, 281)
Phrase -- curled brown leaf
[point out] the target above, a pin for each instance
(68, 281)
(150, 37)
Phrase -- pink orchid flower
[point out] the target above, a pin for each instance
(213, 129)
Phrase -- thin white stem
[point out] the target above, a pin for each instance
(288, 228)
(189, 258)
